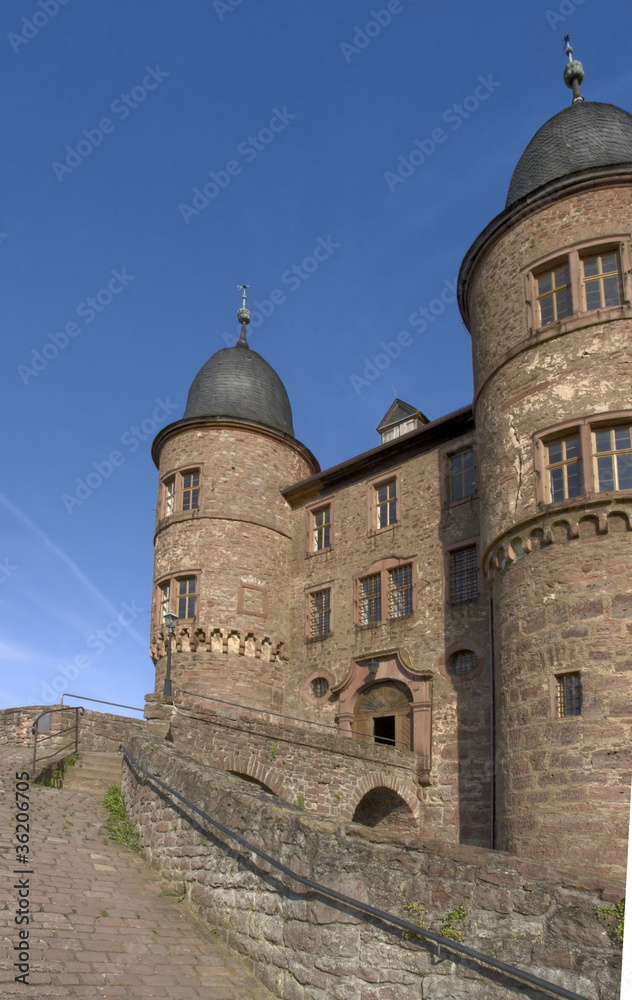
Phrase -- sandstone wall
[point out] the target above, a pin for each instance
(98, 731)
(529, 914)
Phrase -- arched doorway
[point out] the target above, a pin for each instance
(383, 712)
(385, 809)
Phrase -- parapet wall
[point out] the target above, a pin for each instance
(98, 731)
(540, 918)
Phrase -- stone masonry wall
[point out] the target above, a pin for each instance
(98, 731)
(532, 915)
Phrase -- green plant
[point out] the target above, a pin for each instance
(615, 918)
(179, 892)
(118, 825)
(453, 924)
(337, 795)
(272, 752)
(300, 801)
(417, 910)
(104, 913)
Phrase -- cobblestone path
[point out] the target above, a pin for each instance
(100, 926)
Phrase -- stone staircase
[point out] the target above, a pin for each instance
(94, 772)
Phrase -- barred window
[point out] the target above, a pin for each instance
(401, 591)
(613, 453)
(320, 687)
(554, 295)
(462, 662)
(386, 504)
(569, 695)
(320, 613)
(170, 496)
(464, 575)
(187, 595)
(564, 468)
(190, 489)
(461, 476)
(601, 276)
(371, 599)
(322, 529)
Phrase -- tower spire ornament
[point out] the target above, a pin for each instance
(243, 316)
(573, 71)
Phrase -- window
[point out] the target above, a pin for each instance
(386, 504)
(319, 687)
(461, 483)
(164, 600)
(186, 592)
(401, 591)
(322, 529)
(463, 662)
(585, 279)
(554, 295)
(564, 468)
(464, 575)
(170, 496)
(613, 457)
(569, 695)
(320, 614)
(601, 278)
(190, 490)
(371, 600)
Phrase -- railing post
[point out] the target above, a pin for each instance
(35, 731)
(76, 730)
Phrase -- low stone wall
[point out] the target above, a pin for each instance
(98, 731)
(319, 769)
(542, 919)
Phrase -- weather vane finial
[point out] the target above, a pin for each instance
(243, 316)
(573, 71)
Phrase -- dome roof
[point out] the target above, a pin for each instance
(238, 382)
(586, 134)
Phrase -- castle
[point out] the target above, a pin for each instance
(451, 610)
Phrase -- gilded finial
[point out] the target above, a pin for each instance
(243, 316)
(573, 71)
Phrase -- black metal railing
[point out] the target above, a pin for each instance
(295, 718)
(67, 694)
(520, 975)
(43, 737)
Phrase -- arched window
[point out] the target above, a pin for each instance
(383, 713)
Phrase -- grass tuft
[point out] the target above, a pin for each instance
(118, 825)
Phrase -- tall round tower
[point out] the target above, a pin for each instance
(545, 292)
(223, 532)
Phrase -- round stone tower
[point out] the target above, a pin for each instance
(545, 292)
(223, 533)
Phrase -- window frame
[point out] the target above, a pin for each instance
(574, 254)
(373, 485)
(383, 568)
(448, 553)
(176, 476)
(173, 580)
(310, 528)
(556, 677)
(462, 645)
(585, 426)
(309, 597)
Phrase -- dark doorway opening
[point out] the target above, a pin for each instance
(384, 729)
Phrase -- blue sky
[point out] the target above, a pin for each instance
(297, 124)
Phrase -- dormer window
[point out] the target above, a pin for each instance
(401, 418)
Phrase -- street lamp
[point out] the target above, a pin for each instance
(170, 621)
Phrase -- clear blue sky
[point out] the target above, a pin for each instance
(110, 217)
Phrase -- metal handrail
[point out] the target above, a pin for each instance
(34, 729)
(447, 944)
(293, 718)
(67, 694)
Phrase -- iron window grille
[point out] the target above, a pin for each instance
(320, 687)
(613, 454)
(187, 596)
(371, 600)
(386, 504)
(322, 529)
(401, 591)
(569, 695)
(321, 614)
(464, 575)
(462, 662)
(564, 468)
(461, 476)
(190, 490)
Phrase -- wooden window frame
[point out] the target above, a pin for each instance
(446, 453)
(580, 315)
(585, 426)
(372, 487)
(177, 477)
(309, 595)
(310, 527)
(189, 489)
(466, 543)
(383, 569)
(173, 580)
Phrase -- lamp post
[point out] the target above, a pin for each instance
(170, 621)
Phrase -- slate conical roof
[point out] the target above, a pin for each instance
(586, 134)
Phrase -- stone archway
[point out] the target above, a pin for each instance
(383, 712)
(383, 809)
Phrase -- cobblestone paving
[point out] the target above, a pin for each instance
(100, 926)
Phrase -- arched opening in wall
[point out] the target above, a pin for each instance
(383, 713)
(252, 781)
(384, 809)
